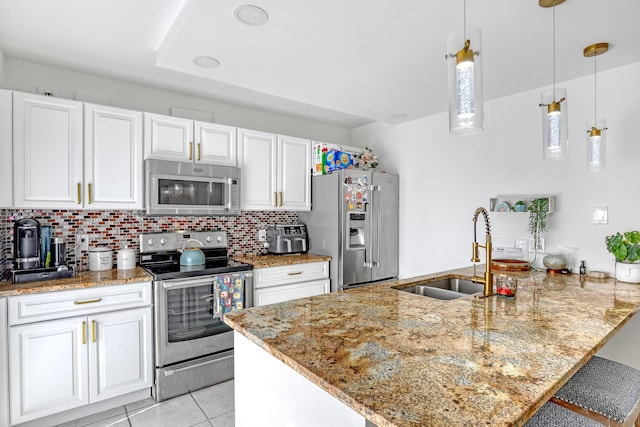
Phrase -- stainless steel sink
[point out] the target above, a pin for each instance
(445, 289)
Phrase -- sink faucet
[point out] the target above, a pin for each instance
(487, 280)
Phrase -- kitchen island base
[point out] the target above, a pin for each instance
(270, 393)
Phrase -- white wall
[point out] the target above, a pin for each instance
(27, 76)
(443, 178)
(2, 60)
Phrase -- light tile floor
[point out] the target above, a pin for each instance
(209, 407)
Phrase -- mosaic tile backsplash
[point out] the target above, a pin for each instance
(119, 228)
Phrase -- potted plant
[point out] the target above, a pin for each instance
(538, 210)
(625, 247)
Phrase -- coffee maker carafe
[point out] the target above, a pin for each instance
(26, 244)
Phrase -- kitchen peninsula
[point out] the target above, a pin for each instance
(380, 356)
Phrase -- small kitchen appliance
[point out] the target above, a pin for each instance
(26, 244)
(193, 346)
(26, 252)
(287, 239)
(180, 188)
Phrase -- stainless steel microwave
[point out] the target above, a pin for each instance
(181, 188)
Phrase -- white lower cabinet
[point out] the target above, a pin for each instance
(4, 371)
(284, 283)
(60, 364)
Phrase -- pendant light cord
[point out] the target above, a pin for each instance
(464, 19)
(554, 50)
(595, 92)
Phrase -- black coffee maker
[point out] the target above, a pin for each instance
(26, 244)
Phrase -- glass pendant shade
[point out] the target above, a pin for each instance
(596, 145)
(466, 106)
(555, 134)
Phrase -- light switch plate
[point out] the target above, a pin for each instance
(601, 215)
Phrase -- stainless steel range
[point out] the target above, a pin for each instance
(193, 347)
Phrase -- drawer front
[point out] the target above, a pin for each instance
(287, 274)
(57, 305)
(277, 294)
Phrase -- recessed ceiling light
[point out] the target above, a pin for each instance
(206, 61)
(250, 15)
(399, 116)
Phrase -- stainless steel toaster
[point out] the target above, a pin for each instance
(287, 239)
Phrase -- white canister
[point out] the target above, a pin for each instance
(126, 259)
(100, 259)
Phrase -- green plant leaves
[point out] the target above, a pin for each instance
(625, 247)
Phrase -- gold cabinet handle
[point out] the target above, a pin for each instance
(280, 198)
(199, 151)
(93, 331)
(275, 199)
(294, 273)
(79, 193)
(88, 301)
(191, 151)
(84, 332)
(89, 193)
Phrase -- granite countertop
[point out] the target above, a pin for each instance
(264, 261)
(82, 280)
(401, 359)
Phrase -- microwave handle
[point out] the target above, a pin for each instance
(227, 193)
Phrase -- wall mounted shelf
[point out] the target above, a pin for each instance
(508, 203)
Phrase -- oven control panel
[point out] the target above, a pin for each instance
(174, 240)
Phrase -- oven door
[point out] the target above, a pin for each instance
(188, 312)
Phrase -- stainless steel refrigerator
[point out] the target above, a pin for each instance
(354, 219)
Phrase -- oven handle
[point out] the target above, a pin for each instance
(197, 365)
(186, 283)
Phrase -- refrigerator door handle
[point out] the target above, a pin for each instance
(368, 247)
(374, 201)
(375, 233)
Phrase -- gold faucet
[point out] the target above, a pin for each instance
(487, 280)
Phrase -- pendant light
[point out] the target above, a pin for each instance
(596, 129)
(555, 133)
(466, 106)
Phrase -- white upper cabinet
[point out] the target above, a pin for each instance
(57, 165)
(184, 140)
(258, 165)
(275, 171)
(112, 158)
(215, 144)
(6, 156)
(294, 173)
(168, 138)
(47, 151)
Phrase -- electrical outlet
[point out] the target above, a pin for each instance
(262, 235)
(539, 249)
(82, 242)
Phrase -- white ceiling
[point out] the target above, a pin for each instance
(346, 62)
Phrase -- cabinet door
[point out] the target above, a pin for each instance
(47, 149)
(4, 371)
(258, 163)
(215, 144)
(48, 370)
(168, 138)
(120, 353)
(277, 294)
(6, 152)
(294, 173)
(113, 158)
